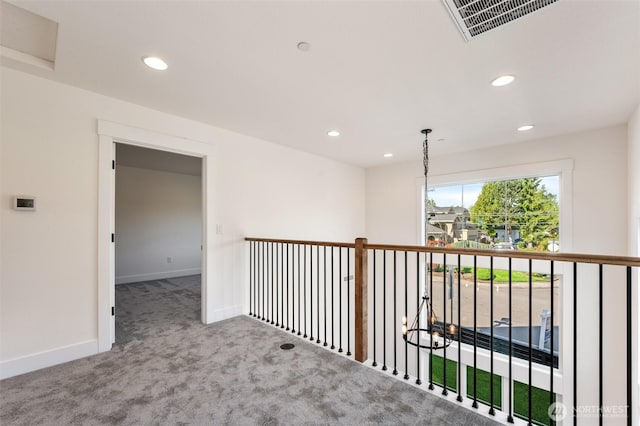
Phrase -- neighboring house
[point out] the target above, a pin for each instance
(502, 235)
(455, 223)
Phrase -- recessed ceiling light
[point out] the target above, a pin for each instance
(303, 46)
(525, 128)
(503, 80)
(155, 63)
(333, 133)
(388, 155)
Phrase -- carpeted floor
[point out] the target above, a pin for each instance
(167, 368)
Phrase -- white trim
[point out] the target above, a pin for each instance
(109, 134)
(25, 58)
(226, 313)
(25, 364)
(125, 279)
(106, 252)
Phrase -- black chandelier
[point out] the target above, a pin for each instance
(431, 334)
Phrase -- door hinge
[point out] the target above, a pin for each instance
(113, 311)
(113, 238)
(113, 164)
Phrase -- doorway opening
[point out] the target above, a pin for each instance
(158, 243)
(109, 134)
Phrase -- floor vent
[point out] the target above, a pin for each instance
(287, 346)
(475, 17)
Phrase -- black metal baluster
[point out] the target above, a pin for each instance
(267, 287)
(510, 415)
(318, 293)
(600, 341)
(281, 295)
(551, 343)
(288, 300)
(299, 305)
(530, 337)
(282, 299)
(304, 266)
(406, 319)
(459, 398)
(444, 324)
(384, 310)
(575, 342)
(273, 282)
(418, 381)
(333, 318)
(311, 292)
(251, 271)
(395, 315)
(374, 364)
(629, 342)
(265, 263)
(475, 332)
(340, 297)
(277, 314)
(491, 410)
(430, 321)
(269, 280)
(348, 302)
(324, 305)
(256, 277)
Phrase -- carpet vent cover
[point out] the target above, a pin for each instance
(474, 17)
(287, 346)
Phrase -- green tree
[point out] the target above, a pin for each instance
(522, 203)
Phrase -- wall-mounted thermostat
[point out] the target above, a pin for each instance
(24, 202)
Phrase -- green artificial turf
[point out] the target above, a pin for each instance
(483, 390)
(539, 397)
(502, 276)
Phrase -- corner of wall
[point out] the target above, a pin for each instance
(633, 181)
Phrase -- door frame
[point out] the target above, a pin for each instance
(109, 134)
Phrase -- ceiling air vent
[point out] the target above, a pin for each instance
(475, 17)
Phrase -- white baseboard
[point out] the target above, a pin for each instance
(37, 361)
(125, 279)
(225, 313)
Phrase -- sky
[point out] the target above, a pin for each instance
(466, 195)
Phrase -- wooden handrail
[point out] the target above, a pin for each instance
(303, 242)
(557, 257)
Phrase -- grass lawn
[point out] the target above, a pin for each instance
(502, 276)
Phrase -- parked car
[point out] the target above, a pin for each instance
(505, 246)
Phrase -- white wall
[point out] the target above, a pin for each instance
(48, 287)
(633, 162)
(599, 201)
(158, 216)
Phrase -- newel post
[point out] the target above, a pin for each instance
(361, 316)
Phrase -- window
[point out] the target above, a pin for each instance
(509, 214)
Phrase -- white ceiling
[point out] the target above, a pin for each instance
(377, 71)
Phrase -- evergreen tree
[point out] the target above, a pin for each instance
(521, 203)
